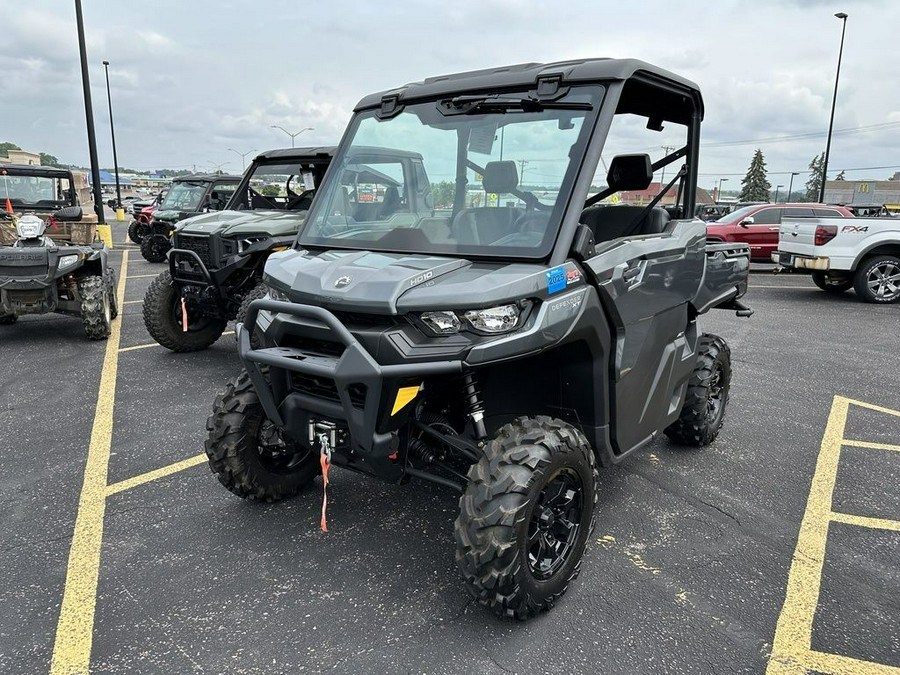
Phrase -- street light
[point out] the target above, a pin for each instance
(242, 154)
(217, 167)
(89, 117)
(293, 136)
(777, 188)
(719, 189)
(112, 130)
(791, 184)
(843, 17)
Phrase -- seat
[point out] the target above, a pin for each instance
(611, 222)
(390, 204)
(486, 224)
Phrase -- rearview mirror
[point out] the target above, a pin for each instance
(69, 214)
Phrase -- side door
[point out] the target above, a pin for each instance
(219, 195)
(762, 233)
(644, 284)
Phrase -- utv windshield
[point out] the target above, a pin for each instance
(284, 185)
(472, 175)
(36, 191)
(184, 197)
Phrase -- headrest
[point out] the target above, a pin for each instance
(500, 177)
(630, 172)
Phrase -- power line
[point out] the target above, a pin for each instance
(804, 136)
(785, 173)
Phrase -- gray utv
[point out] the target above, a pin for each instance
(508, 327)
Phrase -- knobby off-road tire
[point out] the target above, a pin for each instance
(162, 317)
(96, 311)
(154, 248)
(248, 453)
(8, 319)
(833, 285)
(526, 516)
(704, 406)
(878, 279)
(136, 231)
(112, 288)
(256, 293)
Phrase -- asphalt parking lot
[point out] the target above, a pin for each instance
(774, 550)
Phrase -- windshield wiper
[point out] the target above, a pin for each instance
(474, 105)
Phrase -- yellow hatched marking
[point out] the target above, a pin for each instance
(873, 446)
(74, 630)
(865, 521)
(162, 472)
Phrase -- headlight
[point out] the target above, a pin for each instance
(494, 320)
(30, 227)
(441, 323)
(275, 294)
(67, 260)
(247, 242)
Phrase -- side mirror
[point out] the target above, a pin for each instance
(747, 221)
(69, 214)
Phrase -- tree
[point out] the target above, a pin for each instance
(444, 193)
(840, 176)
(7, 146)
(270, 191)
(814, 184)
(755, 187)
(50, 160)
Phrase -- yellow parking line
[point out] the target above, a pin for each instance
(156, 344)
(793, 632)
(874, 446)
(132, 302)
(865, 521)
(74, 630)
(162, 472)
(836, 664)
(876, 408)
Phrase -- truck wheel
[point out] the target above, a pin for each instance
(136, 232)
(249, 455)
(162, 317)
(7, 319)
(110, 278)
(832, 285)
(154, 248)
(256, 293)
(878, 279)
(96, 312)
(526, 516)
(703, 411)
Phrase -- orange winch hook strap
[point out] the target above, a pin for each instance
(323, 458)
(184, 320)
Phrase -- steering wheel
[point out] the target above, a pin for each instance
(296, 200)
(264, 198)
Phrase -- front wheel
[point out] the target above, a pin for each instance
(96, 309)
(256, 293)
(526, 516)
(251, 456)
(164, 319)
(137, 231)
(7, 319)
(832, 285)
(154, 247)
(878, 279)
(703, 411)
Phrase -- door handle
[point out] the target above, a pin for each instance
(774, 229)
(634, 273)
(631, 272)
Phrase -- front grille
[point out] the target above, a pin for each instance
(197, 244)
(355, 320)
(23, 271)
(324, 388)
(27, 297)
(313, 345)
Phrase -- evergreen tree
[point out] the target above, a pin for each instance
(840, 176)
(814, 184)
(755, 187)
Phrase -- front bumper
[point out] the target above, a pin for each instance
(351, 388)
(801, 262)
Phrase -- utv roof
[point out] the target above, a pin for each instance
(297, 153)
(206, 178)
(34, 170)
(526, 75)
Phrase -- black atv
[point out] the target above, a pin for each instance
(215, 267)
(188, 196)
(510, 340)
(39, 275)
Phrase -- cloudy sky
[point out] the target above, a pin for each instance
(191, 80)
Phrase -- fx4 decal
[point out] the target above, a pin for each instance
(855, 228)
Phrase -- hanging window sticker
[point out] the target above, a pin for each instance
(556, 279)
(309, 181)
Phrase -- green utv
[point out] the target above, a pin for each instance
(187, 196)
(216, 264)
(506, 330)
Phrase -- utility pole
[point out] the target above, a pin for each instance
(667, 149)
(522, 164)
(89, 114)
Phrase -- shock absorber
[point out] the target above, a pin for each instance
(475, 409)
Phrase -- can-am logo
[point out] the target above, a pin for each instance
(415, 281)
(342, 281)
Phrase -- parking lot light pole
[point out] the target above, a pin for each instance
(242, 154)
(791, 183)
(120, 214)
(89, 115)
(293, 136)
(777, 188)
(843, 17)
(719, 189)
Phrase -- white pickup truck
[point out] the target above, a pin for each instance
(863, 253)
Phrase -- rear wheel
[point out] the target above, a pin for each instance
(154, 247)
(163, 319)
(878, 279)
(249, 455)
(833, 285)
(703, 411)
(7, 319)
(96, 311)
(526, 516)
(137, 231)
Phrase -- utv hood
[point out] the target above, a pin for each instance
(395, 283)
(234, 223)
(170, 216)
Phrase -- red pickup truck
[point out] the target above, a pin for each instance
(758, 225)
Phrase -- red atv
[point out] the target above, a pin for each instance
(140, 225)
